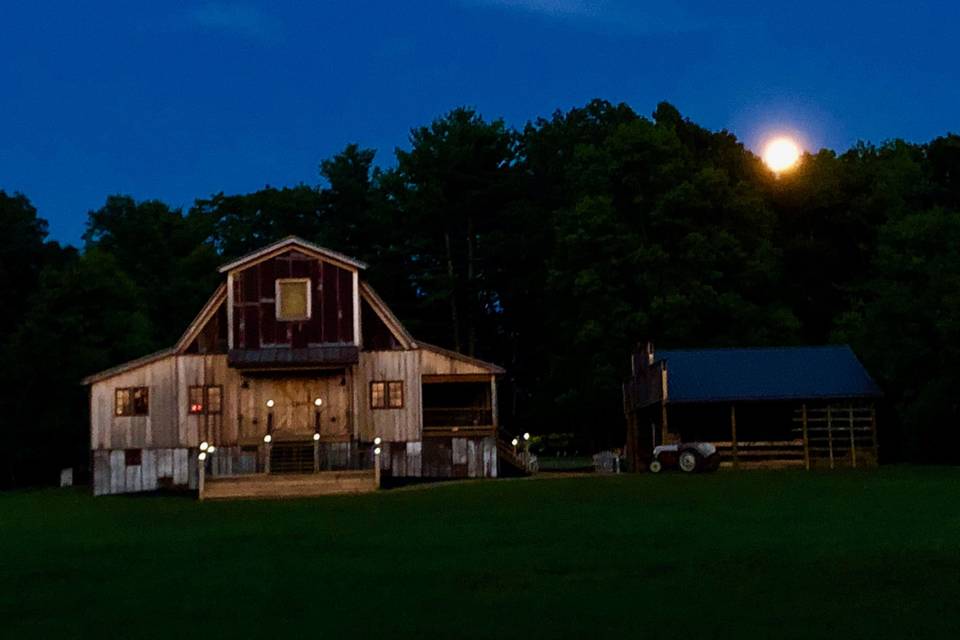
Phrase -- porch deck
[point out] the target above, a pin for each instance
(288, 485)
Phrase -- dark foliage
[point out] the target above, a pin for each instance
(551, 250)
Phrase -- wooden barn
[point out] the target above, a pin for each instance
(292, 378)
(801, 407)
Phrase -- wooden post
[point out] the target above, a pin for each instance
(376, 468)
(266, 460)
(806, 437)
(873, 433)
(201, 481)
(733, 435)
(830, 434)
(853, 444)
(316, 455)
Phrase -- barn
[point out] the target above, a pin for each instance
(295, 378)
(803, 407)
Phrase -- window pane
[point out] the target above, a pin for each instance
(396, 394)
(140, 401)
(195, 400)
(214, 399)
(293, 300)
(122, 402)
(377, 393)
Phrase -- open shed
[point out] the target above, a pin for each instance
(762, 407)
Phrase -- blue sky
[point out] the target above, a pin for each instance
(181, 100)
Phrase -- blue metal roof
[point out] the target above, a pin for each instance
(778, 373)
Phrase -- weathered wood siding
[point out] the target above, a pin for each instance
(158, 468)
(393, 425)
(207, 370)
(160, 428)
(436, 363)
(254, 311)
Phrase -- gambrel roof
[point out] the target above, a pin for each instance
(299, 243)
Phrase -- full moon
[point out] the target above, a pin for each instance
(781, 154)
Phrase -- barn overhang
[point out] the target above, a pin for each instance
(283, 358)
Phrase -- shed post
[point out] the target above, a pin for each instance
(733, 435)
(853, 444)
(806, 437)
(830, 434)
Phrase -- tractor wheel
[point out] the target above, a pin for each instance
(655, 466)
(688, 462)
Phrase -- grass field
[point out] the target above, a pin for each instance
(766, 555)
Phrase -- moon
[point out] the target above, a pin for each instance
(781, 154)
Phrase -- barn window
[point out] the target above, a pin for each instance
(293, 298)
(205, 399)
(386, 395)
(195, 399)
(132, 457)
(132, 401)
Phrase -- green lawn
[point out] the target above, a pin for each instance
(754, 554)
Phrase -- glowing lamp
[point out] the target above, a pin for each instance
(514, 442)
(204, 445)
(267, 438)
(316, 437)
(526, 436)
(202, 456)
(376, 451)
(270, 404)
(211, 449)
(377, 440)
(318, 402)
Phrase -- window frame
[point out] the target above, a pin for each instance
(386, 402)
(278, 303)
(130, 405)
(205, 409)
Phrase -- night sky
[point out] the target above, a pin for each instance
(181, 100)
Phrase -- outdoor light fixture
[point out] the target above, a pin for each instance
(377, 441)
(376, 451)
(514, 442)
(202, 456)
(316, 437)
(318, 402)
(267, 438)
(270, 404)
(204, 445)
(526, 436)
(211, 449)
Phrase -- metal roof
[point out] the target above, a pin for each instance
(777, 373)
(283, 357)
(293, 241)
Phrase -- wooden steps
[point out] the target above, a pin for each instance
(289, 485)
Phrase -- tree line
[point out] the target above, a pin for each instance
(551, 249)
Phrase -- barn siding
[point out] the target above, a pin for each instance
(393, 425)
(333, 297)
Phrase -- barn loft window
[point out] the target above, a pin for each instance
(293, 298)
(386, 395)
(132, 401)
(132, 457)
(205, 399)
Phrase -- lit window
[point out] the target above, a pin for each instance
(293, 299)
(378, 393)
(395, 395)
(386, 395)
(195, 399)
(214, 399)
(208, 399)
(132, 401)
